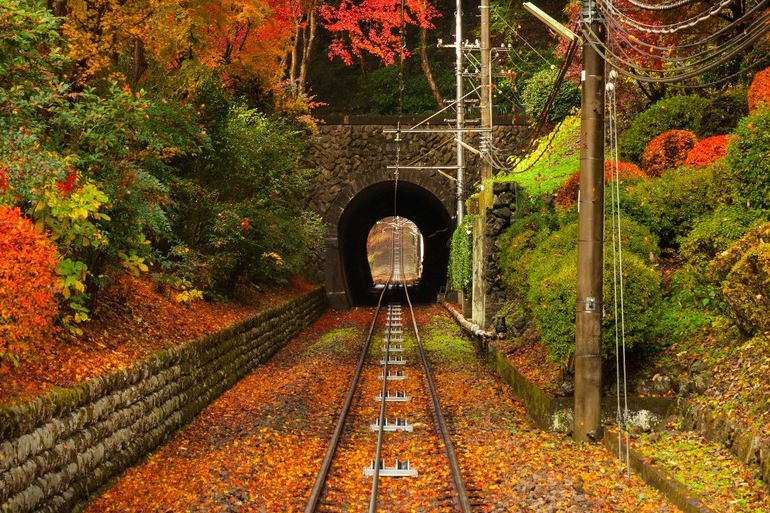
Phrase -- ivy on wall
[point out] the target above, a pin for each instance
(461, 256)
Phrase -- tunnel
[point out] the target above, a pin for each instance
(376, 202)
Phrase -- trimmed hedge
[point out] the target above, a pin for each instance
(676, 112)
(667, 151)
(551, 295)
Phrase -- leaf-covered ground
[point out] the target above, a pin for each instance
(736, 371)
(258, 447)
(710, 471)
(131, 320)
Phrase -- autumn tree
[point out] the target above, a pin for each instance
(376, 28)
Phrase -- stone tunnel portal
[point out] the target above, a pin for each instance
(376, 202)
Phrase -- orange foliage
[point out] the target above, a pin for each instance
(707, 151)
(245, 38)
(667, 151)
(27, 282)
(759, 92)
(567, 195)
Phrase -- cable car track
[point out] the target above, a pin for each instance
(323, 495)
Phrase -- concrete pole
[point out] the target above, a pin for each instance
(460, 110)
(590, 297)
(486, 91)
(480, 242)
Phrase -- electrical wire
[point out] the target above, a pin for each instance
(759, 28)
(617, 272)
(681, 62)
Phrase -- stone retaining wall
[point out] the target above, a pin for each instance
(742, 440)
(58, 448)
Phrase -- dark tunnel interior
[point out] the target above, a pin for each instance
(375, 202)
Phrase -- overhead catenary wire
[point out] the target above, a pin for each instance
(681, 62)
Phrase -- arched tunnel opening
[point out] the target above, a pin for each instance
(380, 246)
(377, 202)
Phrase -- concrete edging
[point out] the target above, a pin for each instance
(658, 478)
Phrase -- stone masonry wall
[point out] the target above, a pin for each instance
(344, 152)
(58, 448)
(499, 217)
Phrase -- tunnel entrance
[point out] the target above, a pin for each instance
(379, 249)
(375, 204)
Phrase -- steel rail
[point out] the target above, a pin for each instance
(315, 493)
(459, 484)
(381, 418)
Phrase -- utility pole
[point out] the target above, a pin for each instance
(481, 244)
(460, 106)
(590, 296)
(486, 92)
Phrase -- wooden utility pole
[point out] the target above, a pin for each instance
(590, 296)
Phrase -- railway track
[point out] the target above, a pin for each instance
(391, 420)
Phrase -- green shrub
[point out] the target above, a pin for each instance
(670, 204)
(690, 289)
(743, 273)
(715, 232)
(461, 256)
(676, 112)
(747, 290)
(721, 115)
(747, 162)
(552, 290)
(516, 245)
(723, 263)
(538, 88)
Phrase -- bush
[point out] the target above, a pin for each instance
(27, 283)
(743, 272)
(538, 88)
(747, 163)
(676, 112)
(715, 232)
(667, 151)
(552, 291)
(516, 244)
(707, 151)
(670, 205)
(759, 91)
(722, 114)
(461, 256)
(244, 226)
(567, 195)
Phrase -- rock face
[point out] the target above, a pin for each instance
(56, 449)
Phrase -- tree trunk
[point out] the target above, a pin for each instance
(58, 7)
(293, 54)
(426, 68)
(138, 63)
(307, 50)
